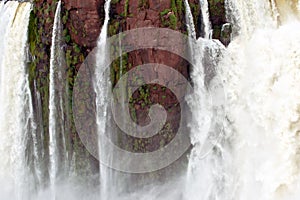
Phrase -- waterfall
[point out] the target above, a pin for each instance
(205, 19)
(15, 102)
(189, 20)
(57, 91)
(247, 147)
(202, 180)
(38, 138)
(101, 85)
(261, 76)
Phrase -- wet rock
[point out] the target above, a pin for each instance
(85, 20)
(226, 34)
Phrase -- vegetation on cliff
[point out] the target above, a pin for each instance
(82, 22)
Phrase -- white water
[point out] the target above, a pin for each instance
(38, 137)
(189, 20)
(204, 163)
(59, 156)
(101, 88)
(258, 158)
(205, 19)
(262, 81)
(15, 102)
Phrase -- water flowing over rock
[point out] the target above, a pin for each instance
(58, 125)
(260, 64)
(148, 99)
(17, 126)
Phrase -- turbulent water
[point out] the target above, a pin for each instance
(257, 158)
(261, 71)
(201, 180)
(23, 155)
(15, 103)
(244, 125)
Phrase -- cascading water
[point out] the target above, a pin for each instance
(261, 72)
(202, 181)
(205, 18)
(189, 20)
(115, 184)
(101, 85)
(37, 137)
(257, 158)
(15, 103)
(57, 91)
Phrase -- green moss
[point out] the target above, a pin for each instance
(47, 10)
(173, 21)
(217, 16)
(65, 17)
(76, 48)
(117, 68)
(179, 5)
(143, 4)
(113, 28)
(73, 30)
(66, 35)
(32, 40)
(164, 12)
(68, 58)
(173, 6)
(67, 38)
(144, 95)
(126, 6)
(168, 16)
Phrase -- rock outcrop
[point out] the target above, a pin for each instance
(132, 14)
(82, 21)
(86, 18)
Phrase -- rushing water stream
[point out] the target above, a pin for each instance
(15, 103)
(244, 125)
(58, 154)
(261, 71)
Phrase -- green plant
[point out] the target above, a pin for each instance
(126, 6)
(65, 17)
(169, 18)
(173, 21)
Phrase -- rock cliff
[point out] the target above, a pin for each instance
(82, 21)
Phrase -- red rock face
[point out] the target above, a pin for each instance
(147, 14)
(85, 17)
(83, 25)
(144, 16)
(141, 14)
